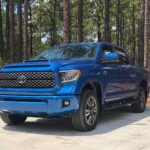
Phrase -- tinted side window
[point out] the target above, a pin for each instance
(124, 59)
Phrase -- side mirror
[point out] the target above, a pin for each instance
(111, 57)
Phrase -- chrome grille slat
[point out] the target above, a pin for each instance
(34, 80)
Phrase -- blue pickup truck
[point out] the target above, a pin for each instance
(76, 80)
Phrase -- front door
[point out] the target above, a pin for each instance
(110, 76)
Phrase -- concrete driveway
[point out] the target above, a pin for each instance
(117, 130)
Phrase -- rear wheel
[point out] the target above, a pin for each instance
(11, 119)
(140, 105)
(86, 118)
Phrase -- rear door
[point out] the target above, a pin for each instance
(128, 74)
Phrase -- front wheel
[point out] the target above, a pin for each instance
(86, 118)
(140, 105)
(11, 119)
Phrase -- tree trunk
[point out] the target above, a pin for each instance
(1, 35)
(26, 36)
(19, 32)
(107, 21)
(80, 20)
(31, 32)
(121, 30)
(54, 27)
(7, 51)
(12, 30)
(99, 10)
(138, 44)
(67, 22)
(99, 35)
(118, 23)
(141, 44)
(133, 33)
(146, 34)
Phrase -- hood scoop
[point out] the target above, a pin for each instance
(39, 60)
(29, 64)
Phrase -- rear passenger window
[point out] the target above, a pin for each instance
(124, 59)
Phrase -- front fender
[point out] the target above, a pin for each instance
(76, 87)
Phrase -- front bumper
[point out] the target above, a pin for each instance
(38, 105)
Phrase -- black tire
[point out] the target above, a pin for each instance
(11, 119)
(86, 118)
(140, 105)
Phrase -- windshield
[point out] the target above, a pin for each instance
(80, 51)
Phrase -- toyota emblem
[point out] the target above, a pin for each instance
(22, 79)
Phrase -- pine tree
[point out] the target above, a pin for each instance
(146, 17)
(7, 51)
(107, 21)
(133, 33)
(80, 20)
(19, 32)
(67, 22)
(141, 36)
(1, 35)
(26, 34)
(12, 30)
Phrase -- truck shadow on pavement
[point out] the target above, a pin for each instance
(109, 121)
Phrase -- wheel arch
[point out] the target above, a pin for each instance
(144, 84)
(96, 87)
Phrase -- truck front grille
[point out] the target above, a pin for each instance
(27, 79)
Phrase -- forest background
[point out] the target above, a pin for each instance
(30, 26)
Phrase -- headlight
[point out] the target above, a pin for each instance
(69, 75)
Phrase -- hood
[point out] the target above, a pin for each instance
(44, 65)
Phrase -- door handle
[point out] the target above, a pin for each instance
(105, 72)
(132, 75)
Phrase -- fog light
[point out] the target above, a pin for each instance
(65, 103)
